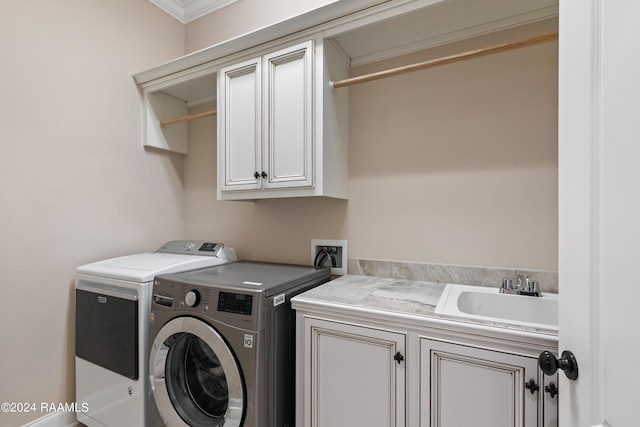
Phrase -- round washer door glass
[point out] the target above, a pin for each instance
(196, 380)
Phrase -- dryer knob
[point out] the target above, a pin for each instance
(192, 298)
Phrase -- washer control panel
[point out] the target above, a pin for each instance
(235, 303)
(228, 305)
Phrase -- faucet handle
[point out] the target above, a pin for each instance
(507, 284)
(531, 285)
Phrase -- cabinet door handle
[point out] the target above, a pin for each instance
(549, 364)
(398, 357)
(256, 175)
(264, 175)
(531, 386)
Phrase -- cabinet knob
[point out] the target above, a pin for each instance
(256, 175)
(531, 386)
(398, 357)
(549, 364)
(264, 175)
(552, 389)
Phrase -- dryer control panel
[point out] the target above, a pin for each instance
(191, 247)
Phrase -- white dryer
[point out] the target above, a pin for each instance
(112, 320)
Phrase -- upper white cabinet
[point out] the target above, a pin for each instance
(288, 124)
(265, 125)
(240, 126)
(281, 132)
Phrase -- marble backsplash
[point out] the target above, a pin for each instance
(446, 273)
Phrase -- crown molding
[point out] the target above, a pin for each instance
(186, 11)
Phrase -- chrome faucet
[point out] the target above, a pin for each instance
(524, 286)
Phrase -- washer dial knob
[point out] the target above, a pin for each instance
(192, 298)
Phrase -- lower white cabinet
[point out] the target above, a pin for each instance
(355, 375)
(363, 371)
(467, 386)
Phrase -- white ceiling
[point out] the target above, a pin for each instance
(188, 10)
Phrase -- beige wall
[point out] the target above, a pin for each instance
(75, 183)
(456, 165)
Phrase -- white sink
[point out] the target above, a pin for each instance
(488, 305)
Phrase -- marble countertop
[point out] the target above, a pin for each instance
(396, 295)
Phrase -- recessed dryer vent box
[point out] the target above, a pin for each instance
(337, 248)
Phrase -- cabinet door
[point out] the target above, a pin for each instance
(550, 401)
(289, 117)
(468, 386)
(239, 110)
(354, 378)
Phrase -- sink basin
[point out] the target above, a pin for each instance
(488, 305)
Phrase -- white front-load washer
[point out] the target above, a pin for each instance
(112, 320)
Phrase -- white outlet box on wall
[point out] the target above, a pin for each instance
(338, 251)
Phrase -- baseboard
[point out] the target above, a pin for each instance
(55, 419)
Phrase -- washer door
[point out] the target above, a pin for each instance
(195, 378)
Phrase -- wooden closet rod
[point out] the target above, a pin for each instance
(187, 118)
(447, 60)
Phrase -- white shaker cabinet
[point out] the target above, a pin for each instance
(240, 117)
(355, 375)
(464, 385)
(271, 140)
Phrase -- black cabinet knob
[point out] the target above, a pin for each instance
(256, 175)
(552, 389)
(398, 357)
(549, 364)
(531, 386)
(264, 175)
